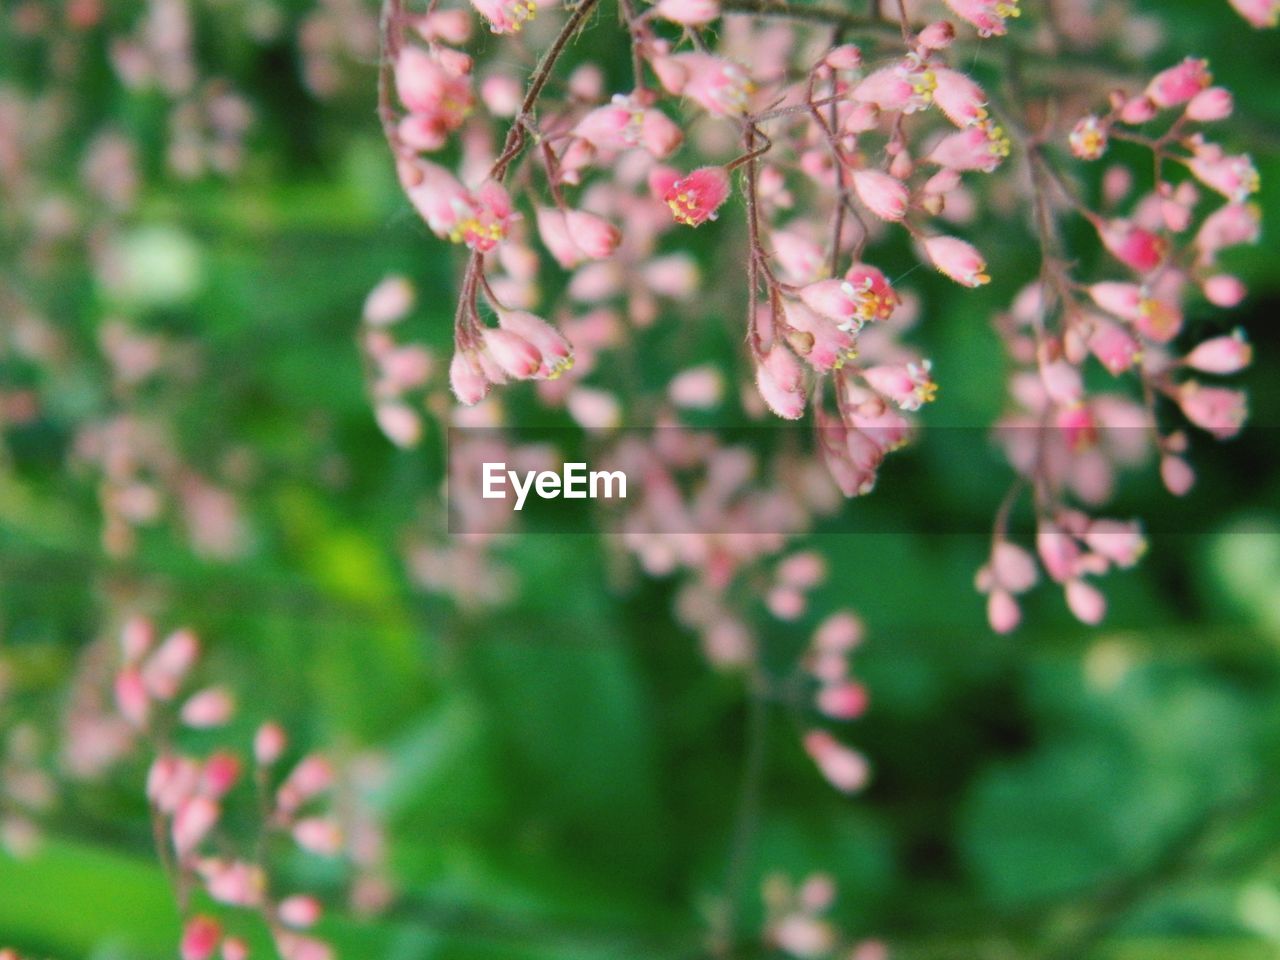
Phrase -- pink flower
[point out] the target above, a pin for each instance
(1121, 543)
(780, 380)
(269, 743)
(389, 302)
(195, 817)
(506, 16)
(1224, 290)
(717, 85)
(1088, 138)
(233, 882)
(318, 835)
(957, 259)
(845, 769)
(299, 911)
(1218, 410)
(1177, 475)
(616, 126)
(437, 94)
(1177, 85)
(863, 295)
(695, 198)
(959, 97)
(200, 938)
(485, 218)
(1229, 226)
(209, 708)
(1086, 602)
(1113, 345)
(1133, 246)
(883, 195)
(1260, 13)
(167, 668)
(989, 16)
(907, 86)
(1215, 103)
(981, 147)
(467, 379)
(823, 343)
(846, 700)
(515, 356)
(839, 633)
(1222, 355)
(554, 351)
(312, 776)
(132, 699)
(689, 13)
(219, 774)
(908, 385)
(1235, 177)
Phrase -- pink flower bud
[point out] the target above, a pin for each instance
(1218, 410)
(233, 882)
(1138, 110)
(843, 701)
(959, 97)
(1133, 246)
(234, 948)
(515, 356)
(555, 352)
(689, 13)
(780, 380)
(989, 16)
(389, 302)
(299, 911)
(594, 236)
(1229, 354)
(1086, 602)
(506, 16)
(958, 260)
(466, 379)
(1223, 290)
(136, 637)
(1121, 543)
(908, 385)
(312, 776)
(1260, 13)
(698, 388)
(838, 633)
(847, 56)
(399, 423)
(1177, 475)
(195, 817)
(200, 938)
(166, 669)
(1113, 345)
(295, 946)
(501, 94)
(170, 781)
(1003, 612)
(1179, 84)
(219, 774)
(1216, 103)
(132, 699)
(885, 196)
(318, 835)
(659, 134)
(694, 199)
(209, 708)
(785, 603)
(845, 769)
(982, 146)
(269, 744)
(937, 36)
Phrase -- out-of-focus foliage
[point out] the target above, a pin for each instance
(566, 772)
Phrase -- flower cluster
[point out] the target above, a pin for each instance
(1163, 247)
(188, 796)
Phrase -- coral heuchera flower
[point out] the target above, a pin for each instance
(506, 16)
(695, 199)
(988, 16)
(483, 220)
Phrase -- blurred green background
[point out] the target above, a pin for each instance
(567, 772)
